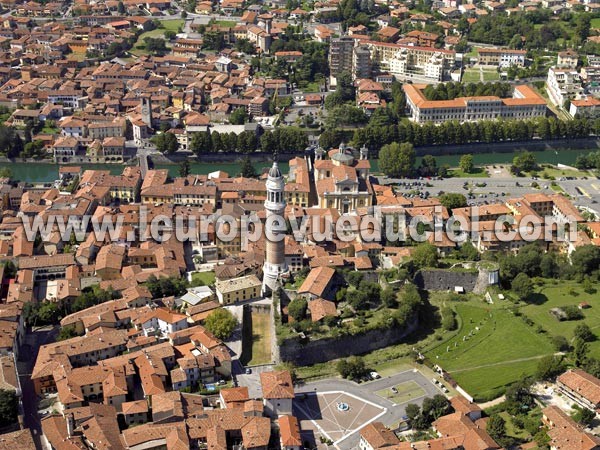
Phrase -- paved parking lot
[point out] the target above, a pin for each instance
(583, 192)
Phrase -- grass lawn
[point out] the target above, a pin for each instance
(595, 23)
(547, 170)
(478, 172)
(490, 75)
(208, 278)
(312, 87)
(499, 353)
(561, 294)
(172, 25)
(405, 392)
(49, 130)
(261, 339)
(471, 76)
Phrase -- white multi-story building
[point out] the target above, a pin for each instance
(588, 107)
(563, 84)
(412, 62)
(525, 104)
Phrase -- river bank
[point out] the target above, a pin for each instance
(548, 152)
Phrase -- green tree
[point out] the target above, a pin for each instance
(428, 166)
(466, 163)
(524, 162)
(580, 352)
(585, 259)
(586, 416)
(583, 331)
(453, 200)
(5, 172)
(214, 40)
(201, 143)
(496, 427)
(8, 408)
(120, 8)
(238, 117)
(166, 143)
(425, 255)
(184, 168)
(247, 169)
(448, 319)
(389, 298)
(221, 323)
(397, 160)
(66, 333)
(352, 368)
(297, 309)
(156, 46)
(522, 286)
(549, 368)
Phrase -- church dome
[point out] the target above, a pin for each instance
(274, 172)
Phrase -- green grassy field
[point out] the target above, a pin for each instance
(566, 293)
(261, 339)
(595, 23)
(478, 172)
(166, 25)
(207, 278)
(407, 392)
(499, 353)
(490, 75)
(471, 76)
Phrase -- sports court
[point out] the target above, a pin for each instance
(333, 415)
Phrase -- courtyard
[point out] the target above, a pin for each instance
(333, 415)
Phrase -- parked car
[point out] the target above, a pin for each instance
(248, 371)
(394, 390)
(374, 375)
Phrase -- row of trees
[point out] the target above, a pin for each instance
(450, 91)
(280, 140)
(455, 133)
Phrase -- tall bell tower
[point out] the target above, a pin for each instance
(275, 265)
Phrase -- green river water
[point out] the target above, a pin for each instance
(31, 172)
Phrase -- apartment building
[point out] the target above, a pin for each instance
(501, 57)
(562, 85)
(416, 63)
(525, 104)
(567, 59)
(588, 107)
(341, 51)
(361, 62)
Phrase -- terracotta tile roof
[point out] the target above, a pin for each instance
(378, 436)
(565, 434)
(320, 308)
(583, 384)
(289, 430)
(317, 281)
(277, 384)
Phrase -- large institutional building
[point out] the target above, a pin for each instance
(525, 104)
